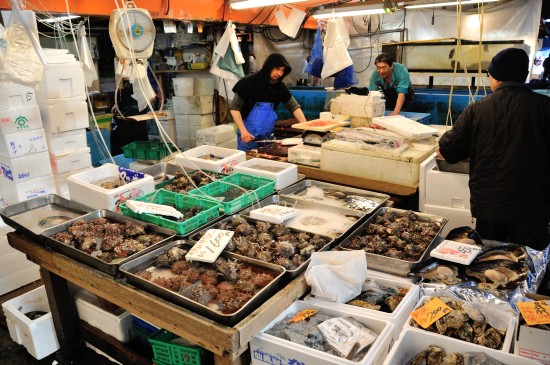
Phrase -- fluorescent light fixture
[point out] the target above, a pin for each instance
(447, 3)
(348, 11)
(247, 4)
(59, 18)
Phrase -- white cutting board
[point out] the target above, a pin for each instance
(406, 127)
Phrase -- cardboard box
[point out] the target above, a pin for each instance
(533, 342)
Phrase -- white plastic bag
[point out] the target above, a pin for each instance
(335, 53)
(24, 60)
(139, 71)
(86, 59)
(337, 276)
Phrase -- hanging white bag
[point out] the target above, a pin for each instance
(86, 59)
(335, 53)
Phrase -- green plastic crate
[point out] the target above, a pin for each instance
(211, 210)
(166, 352)
(215, 175)
(260, 185)
(147, 150)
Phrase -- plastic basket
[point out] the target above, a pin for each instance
(211, 210)
(258, 188)
(147, 150)
(166, 352)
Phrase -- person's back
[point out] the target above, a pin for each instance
(546, 66)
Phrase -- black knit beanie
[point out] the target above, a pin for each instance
(510, 64)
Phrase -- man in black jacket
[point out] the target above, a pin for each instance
(256, 98)
(506, 135)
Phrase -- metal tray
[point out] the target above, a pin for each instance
(389, 264)
(31, 217)
(299, 189)
(306, 204)
(289, 273)
(81, 256)
(162, 171)
(146, 261)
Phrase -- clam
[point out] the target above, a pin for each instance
(447, 274)
(453, 359)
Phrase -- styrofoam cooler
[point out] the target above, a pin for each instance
(305, 155)
(232, 144)
(266, 348)
(83, 186)
(375, 110)
(229, 158)
(286, 177)
(27, 167)
(16, 96)
(38, 335)
(196, 105)
(447, 189)
(195, 122)
(20, 120)
(62, 80)
(67, 141)
(185, 143)
(23, 143)
(61, 116)
(19, 192)
(169, 127)
(456, 217)
(71, 161)
(216, 134)
(203, 86)
(412, 343)
(486, 310)
(398, 317)
(61, 183)
(183, 86)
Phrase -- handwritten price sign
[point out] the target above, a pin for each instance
(456, 252)
(535, 312)
(430, 312)
(302, 315)
(210, 246)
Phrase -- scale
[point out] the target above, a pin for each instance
(135, 23)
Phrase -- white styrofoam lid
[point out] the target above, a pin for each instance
(406, 127)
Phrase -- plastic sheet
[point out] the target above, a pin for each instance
(371, 141)
(335, 54)
(24, 60)
(86, 58)
(315, 64)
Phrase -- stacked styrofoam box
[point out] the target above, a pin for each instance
(366, 106)
(37, 335)
(228, 159)
(15, 270)
(287, 175)
(445, 194)
(265, 348)
(107, 317)
(222, 135)
(305, 155)
(398, 317)
(62, 102)
(187, 126)
(24, 162)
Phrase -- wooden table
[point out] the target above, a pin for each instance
(227, 343)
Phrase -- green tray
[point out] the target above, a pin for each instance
(174, 354)
(147, 150)
(261, 186)
(211, 210)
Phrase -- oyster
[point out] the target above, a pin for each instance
(453, 359)
(465, 235)
(447, 274)
(499, 273)
(514, 254)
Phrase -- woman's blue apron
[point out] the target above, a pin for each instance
(260, 123)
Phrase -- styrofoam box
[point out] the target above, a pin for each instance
(283, 178)
(195, 121)
(375, 110)
(216, 135)
(169, 127)
(23, 143)
(199, 104)
(266, 348)
(83, 189)
(107, 317)
(456, 217)
(20, 119)
(412, 343)
(485, 310)
(19, 192)
(25, 274)
(399, 315)
(13, 262)
(62, 80)
(183, 86)
(424, 167)
(27, 167)
(229, 144)
(532, 343)
(61, 183)
(67, 141)
(62, 116)
(305, 155)
(15, 96)
(185, 143)
(38, 336)
(203, 86)
(354, 105)
(230, 158)
(71, 161)
(5, 248)
(447, 189)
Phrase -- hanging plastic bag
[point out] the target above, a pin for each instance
(337, 276)
(345, 78)
(315, 64)
(335, 54)
(86, 59)
(141, 95)
(24, 60)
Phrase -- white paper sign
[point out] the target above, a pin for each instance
(459, 252)
(274, 213)
(151, 208)
(210, 246)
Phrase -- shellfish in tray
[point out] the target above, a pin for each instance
(497, 274)
(382, 298)
(465, 235)
(435, 355)
(508, 253)
(440, 273)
